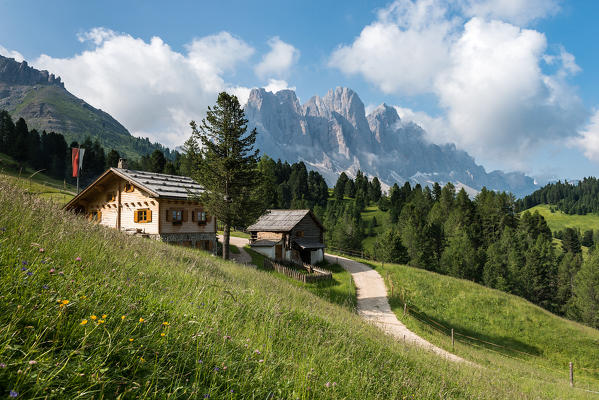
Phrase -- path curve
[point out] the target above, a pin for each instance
(374, 307)
(372, 300)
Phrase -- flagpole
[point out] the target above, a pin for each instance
(78, 170)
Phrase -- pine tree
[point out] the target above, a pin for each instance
(585, 299)
(228, 168)
(157, 161)
(112, 159)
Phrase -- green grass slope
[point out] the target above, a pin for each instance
(88, 312)
(493, 328)
(558, 220)
(53, 108)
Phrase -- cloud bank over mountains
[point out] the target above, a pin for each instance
(501, 90)
(488, 73)
(154, 90)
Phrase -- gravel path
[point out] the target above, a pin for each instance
(243, 257)
(374, 307)
(372, 299)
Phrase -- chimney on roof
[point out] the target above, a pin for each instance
(123, 163)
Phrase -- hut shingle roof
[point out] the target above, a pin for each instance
(278, 220)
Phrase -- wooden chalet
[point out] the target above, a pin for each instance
(289, 235)
(157, 206)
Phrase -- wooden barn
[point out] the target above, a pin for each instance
(157, 206)
(289, 235)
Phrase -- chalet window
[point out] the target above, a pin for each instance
(299, 233)
(177, 216)
(95, 216)
(142, 216)
(201, 217)
(110, 197)
(129, 188)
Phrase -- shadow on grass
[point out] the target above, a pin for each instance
(502, 344)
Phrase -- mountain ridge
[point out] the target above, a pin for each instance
(333, 134)
(42, 100)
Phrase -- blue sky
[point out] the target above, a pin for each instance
(513, 82)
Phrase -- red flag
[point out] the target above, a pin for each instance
(75, 161)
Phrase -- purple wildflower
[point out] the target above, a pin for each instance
(2, 365)
(78, 259)
(206, 396)
(23, 269)
(13, 394)
(216, 369)
(45, 287)
(32, 362)
(3, 229)
(257, 351)
(200, 361)
(43, 261)
(29, 273)
(232, 391)
(25, 263)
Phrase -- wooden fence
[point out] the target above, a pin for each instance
(317, 274)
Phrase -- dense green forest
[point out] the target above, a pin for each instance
(51, 153)
(581, 198)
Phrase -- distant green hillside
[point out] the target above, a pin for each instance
(52, 108)
(41, 99)
(558, 220)
(88, 312)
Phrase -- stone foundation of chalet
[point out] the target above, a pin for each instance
(204, 241)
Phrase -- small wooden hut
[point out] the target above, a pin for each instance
(289, 235)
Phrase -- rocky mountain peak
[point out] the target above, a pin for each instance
(20, 73)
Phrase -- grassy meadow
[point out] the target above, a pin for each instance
(493, 328)
(87, 312)
(558, 220)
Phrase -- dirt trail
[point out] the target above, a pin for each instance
(243, 257)
(372, 299)
(374, 307)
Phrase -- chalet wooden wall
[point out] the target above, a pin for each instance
(137, 200)
(187, 225)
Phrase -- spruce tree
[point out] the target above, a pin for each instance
(228, 167)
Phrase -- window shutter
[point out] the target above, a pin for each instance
(168, 215)
(136, 216)
(99, 216)
(184, 215)
(149, 213)
(194, 214)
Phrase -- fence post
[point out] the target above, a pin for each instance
(571, 374)
(452, 342)
(405, 308)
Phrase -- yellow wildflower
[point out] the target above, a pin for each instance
(83, 322)
(122, 317)
(101, 321)
(93, 317)
(65, 302)
(130, 339)
(141, 359)
(162, 334)
(104, 316)
(141, 320)
(165, 323)
(61, 305)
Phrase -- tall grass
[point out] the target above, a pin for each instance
(86, 312)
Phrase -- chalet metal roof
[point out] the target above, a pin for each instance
(156, 185)
(162, 185)
(280, 220)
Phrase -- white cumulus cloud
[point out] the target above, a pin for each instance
(499, 103)
(403, 50)
(11, 54)
(588, 139)
(150, 88)
(279, 60)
